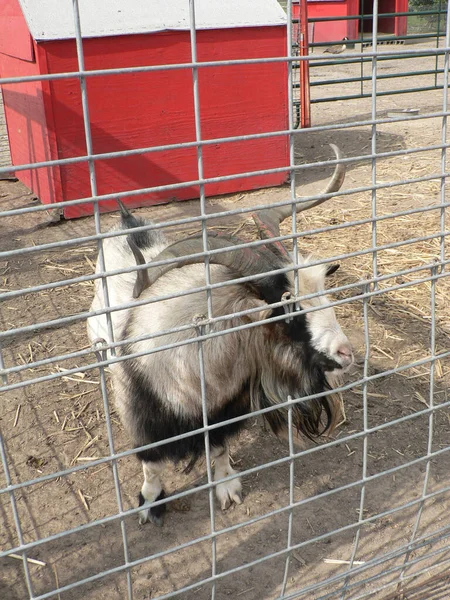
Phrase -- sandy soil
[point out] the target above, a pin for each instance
(54, 425)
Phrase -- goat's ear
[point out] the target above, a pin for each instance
(331, 269)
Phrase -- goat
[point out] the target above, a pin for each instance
(158, 395)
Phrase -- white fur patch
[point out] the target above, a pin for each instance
(151, 487)
(228, 491)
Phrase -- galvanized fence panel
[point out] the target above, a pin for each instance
(418, 560)
(425, 22)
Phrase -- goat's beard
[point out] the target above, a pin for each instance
(271, 389)
(335, 378)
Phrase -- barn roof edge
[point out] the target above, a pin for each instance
(51, 20)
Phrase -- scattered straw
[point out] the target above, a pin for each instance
(56, 579)
(16, 418)
(420, 398)
(245, 591)
(335, 561)
(32, 561)
(87, 445)
(77, 379)
(83, 499)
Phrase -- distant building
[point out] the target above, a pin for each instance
(332, 31)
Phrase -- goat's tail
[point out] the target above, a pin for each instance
(145, 239)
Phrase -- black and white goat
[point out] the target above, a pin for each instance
(158, 395)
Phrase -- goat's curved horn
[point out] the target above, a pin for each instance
(142, 281)
(243, 260)
(268, 221)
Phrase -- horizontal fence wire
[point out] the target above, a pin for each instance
(430, 31)
(218, 547)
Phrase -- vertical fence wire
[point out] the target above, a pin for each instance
(374, 136)
(367, 346)
(291, 138)
(291, 499)
(444, 134)
(2, 366)
(198, 138)
(375, 275)
(292, 177)
(101, 259)
(16, 517)
(200, 329)
(104, 392)
(438, 40)
(90, 162)
(361, 29)
(434, 271)
(431, 421)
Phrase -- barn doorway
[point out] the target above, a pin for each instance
(389, 25)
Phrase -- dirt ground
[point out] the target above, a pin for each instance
(58, 424)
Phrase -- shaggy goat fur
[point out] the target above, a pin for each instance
(159, 395)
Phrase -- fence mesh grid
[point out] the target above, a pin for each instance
(350, 517)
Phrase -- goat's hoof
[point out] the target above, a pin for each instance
(144, 516)
(155, 514)
(229, 493)
(156, 520)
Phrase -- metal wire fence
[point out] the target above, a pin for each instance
(423, 25)
(360, 514)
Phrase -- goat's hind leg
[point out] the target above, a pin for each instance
(228, 491)
(151, 492)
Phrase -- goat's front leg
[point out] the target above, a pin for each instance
(150, 492)
(228, 491)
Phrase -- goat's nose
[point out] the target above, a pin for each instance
(345, 353)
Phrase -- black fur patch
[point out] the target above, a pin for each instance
(272, 287)
(310, 379)
(142, 239)
(154, 420)
(156, 512)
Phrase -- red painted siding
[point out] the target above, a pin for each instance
(401, 23)
(28, 128)
(15, 39)
(395, 25)
(142, 110)
(332, 31)
(149, 109)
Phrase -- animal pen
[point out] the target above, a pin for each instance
(361, 512)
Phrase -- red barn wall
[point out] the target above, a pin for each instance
(332, 31)
(28, 124)
(329, 31)
(396, 25)
(148, 109)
